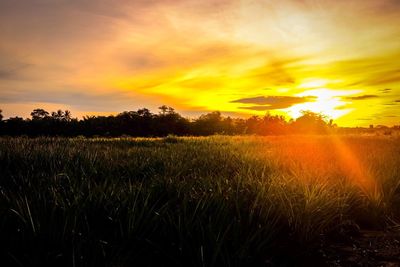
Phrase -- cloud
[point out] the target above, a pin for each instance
(77, 98)
(272, 102)
(361, 97)
(342, 107)
(386, 77)
(13, 67)
(386, 90)
(14, 73)
(8, 74)
(277, 71)
(261, 108)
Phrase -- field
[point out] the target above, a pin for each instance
(204, 201)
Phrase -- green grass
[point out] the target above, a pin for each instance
(231, 201)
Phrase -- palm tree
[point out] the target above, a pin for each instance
(62, 115)
(57, 115)
(67, 115)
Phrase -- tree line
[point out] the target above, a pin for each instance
(167, 121)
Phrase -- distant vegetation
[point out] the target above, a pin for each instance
(195, 201)
(144, 123)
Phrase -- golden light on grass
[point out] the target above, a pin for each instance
(357, 172)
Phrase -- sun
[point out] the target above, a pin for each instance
(326, 101)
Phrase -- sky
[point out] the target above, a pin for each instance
(241, 57)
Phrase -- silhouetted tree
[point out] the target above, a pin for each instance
(39, 114)
(60, 115)
(163, 109)
(167, 121)
(170, 122)
(208, 124)
(252, 125)
(311, 122)
(15, 126)
(1, 122)
(67, 115)
(57, 115)
(144, 112)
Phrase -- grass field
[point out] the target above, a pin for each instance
(212, 201)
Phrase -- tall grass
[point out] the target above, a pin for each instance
(231, 201)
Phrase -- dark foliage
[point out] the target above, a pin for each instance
(167, 122)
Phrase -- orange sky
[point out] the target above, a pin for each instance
(341, 58)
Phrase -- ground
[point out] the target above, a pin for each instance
(367, 248)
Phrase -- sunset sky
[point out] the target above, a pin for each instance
(341, 58)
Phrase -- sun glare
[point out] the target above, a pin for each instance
(326, 101)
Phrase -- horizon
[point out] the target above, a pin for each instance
(192, 118)
(242, 58)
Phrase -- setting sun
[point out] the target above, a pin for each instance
(327, 102)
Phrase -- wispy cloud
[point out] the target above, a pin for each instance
(361, 97)
(385, 91)
(272, 102)
(259, 108)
